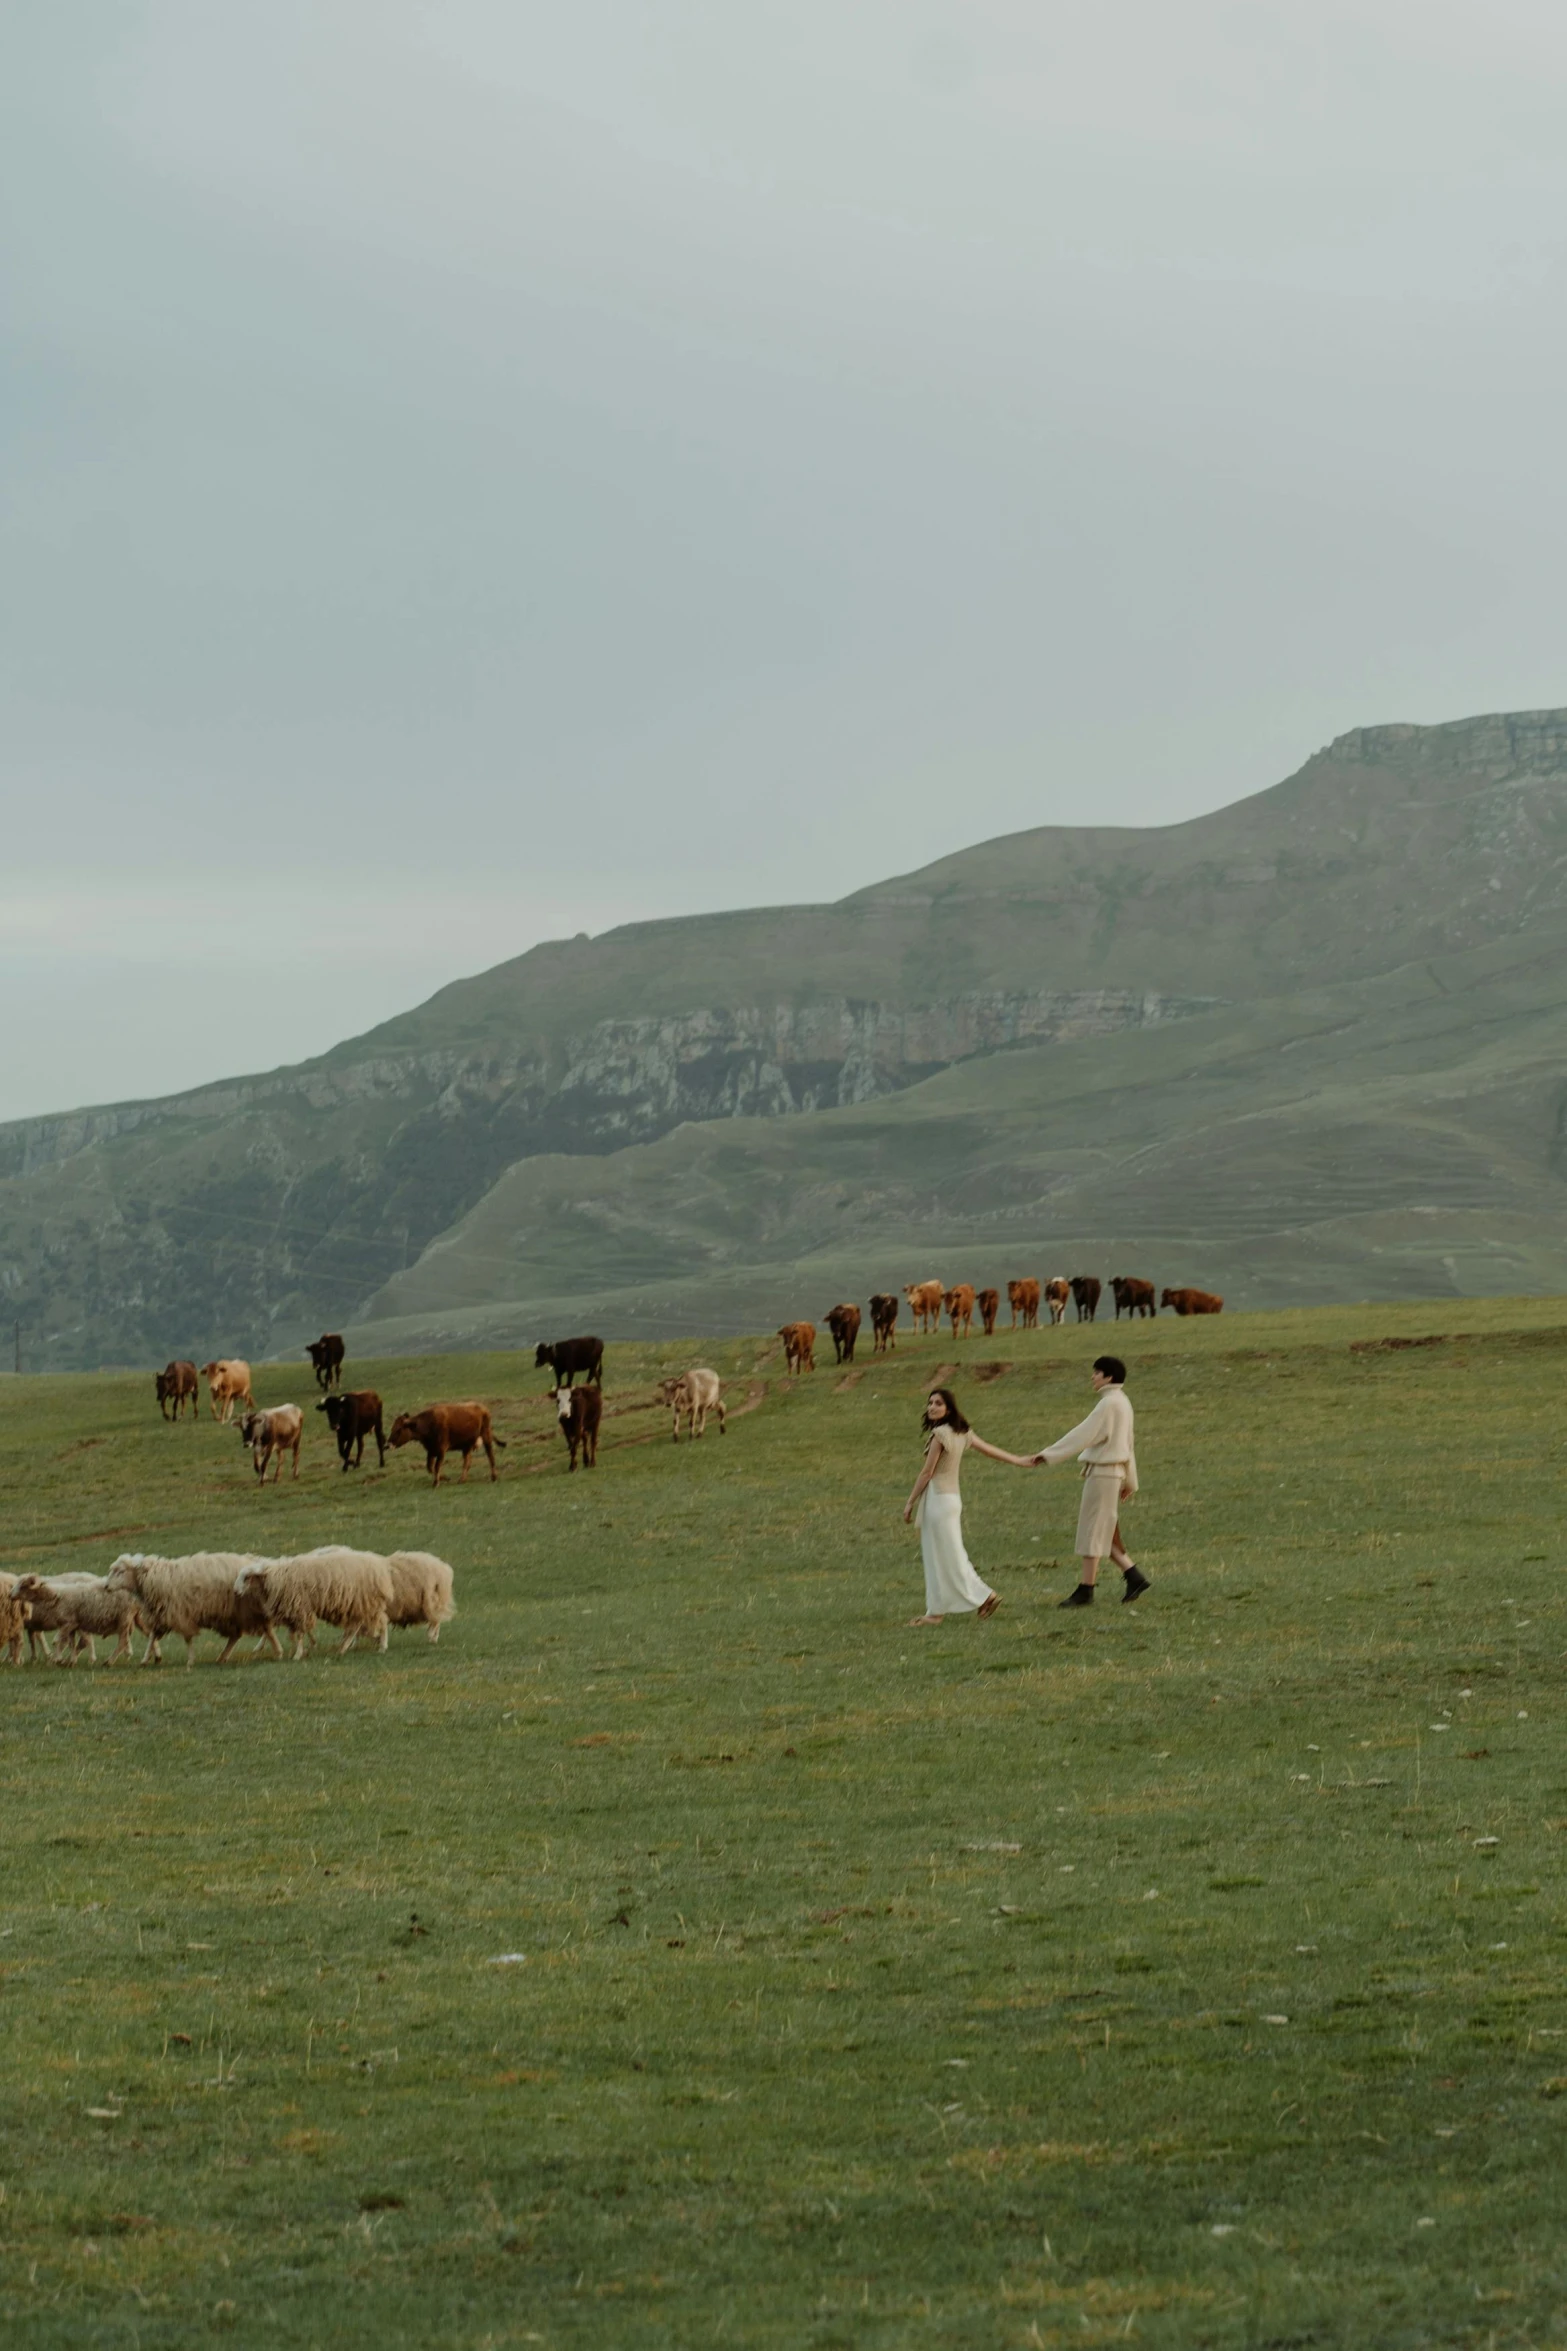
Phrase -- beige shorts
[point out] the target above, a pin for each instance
(1098, 1512)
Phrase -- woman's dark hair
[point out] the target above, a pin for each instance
(956, 1419)
(1111, 1365)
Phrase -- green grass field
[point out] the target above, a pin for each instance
(1185, 1975)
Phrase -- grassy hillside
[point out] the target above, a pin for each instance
(1390, 1139)
(1185, 1975)
(1408, 871)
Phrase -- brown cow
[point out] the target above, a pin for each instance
(799, 1340)
(695, 1394)
(581, 1410)
(959, 1303)
(1133, 1294)
(1192, 1301)
(884, 1321)
(989, 1304)
(925, 1303)
(228, 1384)
(1023, 1298)
(1057, 1291)
(326, 1353)
(177, 1386)
(844, 1324)
(278, 1431)
(440, 1427)
(1085, 1288)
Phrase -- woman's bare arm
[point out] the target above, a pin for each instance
(932, 1462)
(1014, 1460)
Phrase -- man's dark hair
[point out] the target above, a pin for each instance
(1112, 1367)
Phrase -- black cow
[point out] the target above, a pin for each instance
(581, 1410)
(326, 1353)
(353, 1417)
(567, 1356)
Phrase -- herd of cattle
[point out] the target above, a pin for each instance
(355, 1415)
(930, 1301)
(234, 1594)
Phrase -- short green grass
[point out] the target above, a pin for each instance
(1186, 1975)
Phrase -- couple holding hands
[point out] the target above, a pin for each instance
(1102, 1443)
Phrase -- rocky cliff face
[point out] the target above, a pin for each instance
(629, 1080)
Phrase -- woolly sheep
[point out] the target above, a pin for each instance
(39, 1623)
(349, 1589)
(13, 1619)
(197, 1594)
(421, 1591)
(79, 1609)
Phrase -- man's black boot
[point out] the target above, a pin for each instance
(1083, 1597)
(1136, 1584)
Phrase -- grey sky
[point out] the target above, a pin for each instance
(472, 471)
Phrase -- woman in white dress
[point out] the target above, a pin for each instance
(951, 1586)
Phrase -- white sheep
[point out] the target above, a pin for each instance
(197, 1594)
(13, 1619)
(38, 1623)
(338, 1586)
(80, 1609)
(421, 1591)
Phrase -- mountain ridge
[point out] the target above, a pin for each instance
(235, 1214)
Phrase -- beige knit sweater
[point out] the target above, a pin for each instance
(1104, 1438)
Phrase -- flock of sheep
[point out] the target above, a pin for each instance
(237, 1595)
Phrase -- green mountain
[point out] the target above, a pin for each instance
(1314, 1044)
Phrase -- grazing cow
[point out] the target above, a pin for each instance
(884, 1321)
(844, 1324)
(1085, 1289)
(228, 1384)
(989, 1304)
(326, 1353)
(581, 1410)
(1057, 1291)
(440, 1428)
(696, 1394)
(177, 1386)
(1192, 1301)
(799, 1339)
(351, 1418)
(1132, 1293)
(566, 1357)
(278, 1431)
(1023, 1298)
(959, 1303)
(925, 1302)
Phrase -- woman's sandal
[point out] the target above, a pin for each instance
(914, 1620)
(989, 1607)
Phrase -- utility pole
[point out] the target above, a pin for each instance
(19, 1349)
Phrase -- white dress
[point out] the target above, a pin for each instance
(951, 1586)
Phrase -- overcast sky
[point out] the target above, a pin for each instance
(476, 471)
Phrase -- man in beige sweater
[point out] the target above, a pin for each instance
(1103, 1444)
